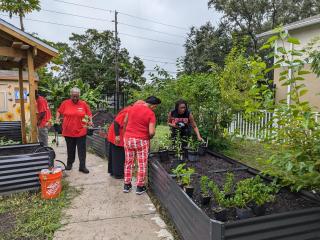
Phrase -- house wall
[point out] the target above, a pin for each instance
(305, 35)
(12, 113)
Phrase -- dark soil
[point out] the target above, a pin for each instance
(216, 169)
(7, 224)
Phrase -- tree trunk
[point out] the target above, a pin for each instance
(21, 22)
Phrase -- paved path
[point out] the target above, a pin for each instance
(102, 211)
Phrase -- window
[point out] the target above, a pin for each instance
(17, 95)
(3, 102)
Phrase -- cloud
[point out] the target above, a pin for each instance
(182, 13)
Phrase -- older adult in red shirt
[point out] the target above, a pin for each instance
(139, 129)
(77, 117)
(44, 117)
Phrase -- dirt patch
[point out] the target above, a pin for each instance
(7, 224)
(216, 169)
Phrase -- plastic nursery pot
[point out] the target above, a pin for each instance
(163, 155)
(193, 156)
(189, 190)
(205, 200)
(243, 213)
(259, 210)
(202, 150)
(220, 214)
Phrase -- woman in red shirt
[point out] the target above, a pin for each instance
(139, 129)
(74, 127)
(116, 145)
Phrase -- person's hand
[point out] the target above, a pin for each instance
(90, 124)
(57, 121)
(117, 140)
(200, 139)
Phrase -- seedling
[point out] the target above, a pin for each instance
(204, 186)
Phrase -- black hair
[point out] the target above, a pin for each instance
(179, 102)
(153, 100)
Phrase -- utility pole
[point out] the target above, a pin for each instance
(117, 104)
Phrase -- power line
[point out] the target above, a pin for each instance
(150, 60)
(156, 57)
(150, 39)
(86, 6)
(126, 14)
(153, 21)
(152, 30)
(76, 15)
(152, 70)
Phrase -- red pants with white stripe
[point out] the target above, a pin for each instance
(138, 149)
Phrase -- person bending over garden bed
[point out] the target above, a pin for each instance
(139, 128)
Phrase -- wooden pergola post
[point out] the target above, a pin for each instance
(22, 109)
(32, 97)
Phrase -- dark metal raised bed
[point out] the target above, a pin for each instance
(193, 224)
(98, 144)
(20, 166)
(11, 131)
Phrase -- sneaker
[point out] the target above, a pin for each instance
(84, 170)
(127, 188)
(141, 189)
(69, 167)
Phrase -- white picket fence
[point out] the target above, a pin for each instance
(257, 129)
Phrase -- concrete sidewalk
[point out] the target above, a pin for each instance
(103, 211)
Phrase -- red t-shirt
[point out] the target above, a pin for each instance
(120, 120)
(140, 116)
(73, 115)
(42, 106)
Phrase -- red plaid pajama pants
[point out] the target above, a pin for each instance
(136, 148)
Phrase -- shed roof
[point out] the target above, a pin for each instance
(10, 36)
(295, 25)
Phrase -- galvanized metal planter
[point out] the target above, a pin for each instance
(11, 131)
(193, 224)
(20, 166)
(98, 144)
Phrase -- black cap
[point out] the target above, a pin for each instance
(153, 100)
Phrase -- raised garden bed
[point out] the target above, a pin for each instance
(11, 131)
(98, 144)
(20, 166)
(290, 217)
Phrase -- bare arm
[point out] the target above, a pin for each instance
(195, 127)
(170, 121)
(152, 130)
(58, 117)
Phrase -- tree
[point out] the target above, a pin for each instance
(20, 8)
(251, 17)
(91, 58)
(204, 46)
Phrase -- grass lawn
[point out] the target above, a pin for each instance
(27, 216)
(252, 153)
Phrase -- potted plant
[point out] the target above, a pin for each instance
(192, 150)
(178, 172)
(186, 181)
(164, 145)
(205, 197)
(202, 149)
(240, 202)
(228, 187)
(220, 211)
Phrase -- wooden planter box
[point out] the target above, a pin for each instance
(192, 223)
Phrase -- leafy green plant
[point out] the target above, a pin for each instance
(164, 143)
(4, 141)
(204, 186)
(179, 171)
(193, 144)
(229, 184)
(219, 196)
(186, 176)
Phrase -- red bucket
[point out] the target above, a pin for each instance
(51, 184)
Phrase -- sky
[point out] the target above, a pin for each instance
(181, 14)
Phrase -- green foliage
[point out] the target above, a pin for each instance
(58, 91)
(165, 142)
(193, 144)
(254, 190)
(19, 7)
(35, 218)
(219, 196)
(204, 185)
(293, 128)
(179, 171)
(186, 176)
(4, 141)
(229, 183)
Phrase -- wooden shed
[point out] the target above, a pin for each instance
(18, 51)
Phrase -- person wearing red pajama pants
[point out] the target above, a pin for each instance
(139, 129)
